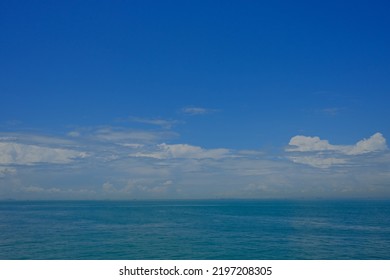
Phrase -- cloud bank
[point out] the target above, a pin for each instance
(121, 163)
(314, 144)
(320, 153)
(22, 154)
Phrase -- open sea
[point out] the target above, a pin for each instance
(195, 229)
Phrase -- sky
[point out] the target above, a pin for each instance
(194, 99)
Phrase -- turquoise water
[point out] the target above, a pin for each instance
(208, 229)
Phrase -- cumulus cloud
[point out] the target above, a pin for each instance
(23, 154)
(320, 153)
(375, 143)
(301, 143)
(164, 151)
(314, 144)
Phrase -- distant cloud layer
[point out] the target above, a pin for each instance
(165, 151)
(122, 163)
(21, 154)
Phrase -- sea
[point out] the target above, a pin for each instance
(195, 230)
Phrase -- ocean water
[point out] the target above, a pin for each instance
(195, 229)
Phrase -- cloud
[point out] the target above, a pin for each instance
(74, 134)
(112, 163)
(36, 139)
(118, 135)
(34, 189)
(133, 145)
(108, 187)
(308, 144)
(146, 187)
(373, 144)
(22, 154)
(167, 183)
(318, 161)
(314, 144)
(320, 153)
(197, 111)
(165, 151)
(166, 124)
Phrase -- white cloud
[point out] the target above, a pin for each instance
(164, 151)
(308, 144)
(34, 189)
(74, 134)
(318, 161)
(35, 139)
(184, 170)
(197, 111)
(320, 153)
(108, 187)
(133, 145)
(166, 124)
(8, 139)
(314, 144)
(375, 143)
(188, 151)
(22, 154)
(168, 183)
(117, 135)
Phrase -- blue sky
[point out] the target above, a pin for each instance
(194, 99)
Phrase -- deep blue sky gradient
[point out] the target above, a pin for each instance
(271, 69)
